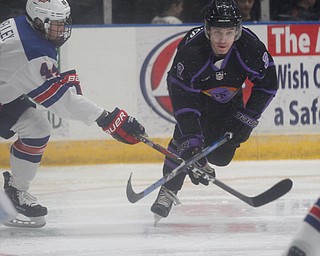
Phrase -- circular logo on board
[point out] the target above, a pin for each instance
(153, 76)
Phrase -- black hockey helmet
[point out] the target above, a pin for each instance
(223, 14)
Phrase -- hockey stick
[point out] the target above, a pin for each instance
(275, 192)
(134, 197)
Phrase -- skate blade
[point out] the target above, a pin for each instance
(21, 221)
(157, 218)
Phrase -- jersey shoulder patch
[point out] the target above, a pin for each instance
(193, 37)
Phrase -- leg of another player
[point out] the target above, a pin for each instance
(167, 195)
(33, 130)
(306, 241)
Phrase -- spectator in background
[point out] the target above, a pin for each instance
(247, 10)
(302, 10)
(169, 12)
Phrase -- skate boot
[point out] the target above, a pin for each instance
(30, 213)
(163, 204)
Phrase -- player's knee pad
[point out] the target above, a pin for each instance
(33, 124)
(10, 114)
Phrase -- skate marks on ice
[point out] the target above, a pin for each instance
(89, 213)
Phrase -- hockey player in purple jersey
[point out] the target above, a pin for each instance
(29, 77)
(306, 241)
(205, 87)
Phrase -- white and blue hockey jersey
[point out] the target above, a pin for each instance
(28, 65)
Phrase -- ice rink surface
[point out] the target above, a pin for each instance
(89, 213)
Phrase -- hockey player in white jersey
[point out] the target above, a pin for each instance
(29, 77)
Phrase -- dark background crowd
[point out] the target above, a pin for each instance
(142, 11)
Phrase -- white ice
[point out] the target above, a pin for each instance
(89, 213)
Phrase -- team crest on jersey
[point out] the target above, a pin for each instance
(194, 33)
(219, 75)
(221, 94)
(153, 76)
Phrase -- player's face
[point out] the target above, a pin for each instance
(59, 31)
(56, 29)
(222, 39)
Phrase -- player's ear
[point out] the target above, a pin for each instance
(39, 24)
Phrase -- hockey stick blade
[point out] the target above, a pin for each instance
(131, 195)
(134, 197)
(273, 193)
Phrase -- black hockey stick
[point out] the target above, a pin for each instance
(134, 197)
(275, 192)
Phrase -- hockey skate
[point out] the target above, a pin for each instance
(163, 203)
(30, 213)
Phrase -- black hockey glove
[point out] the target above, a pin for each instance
(188, 146)
(120, 126)
(242, 124)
